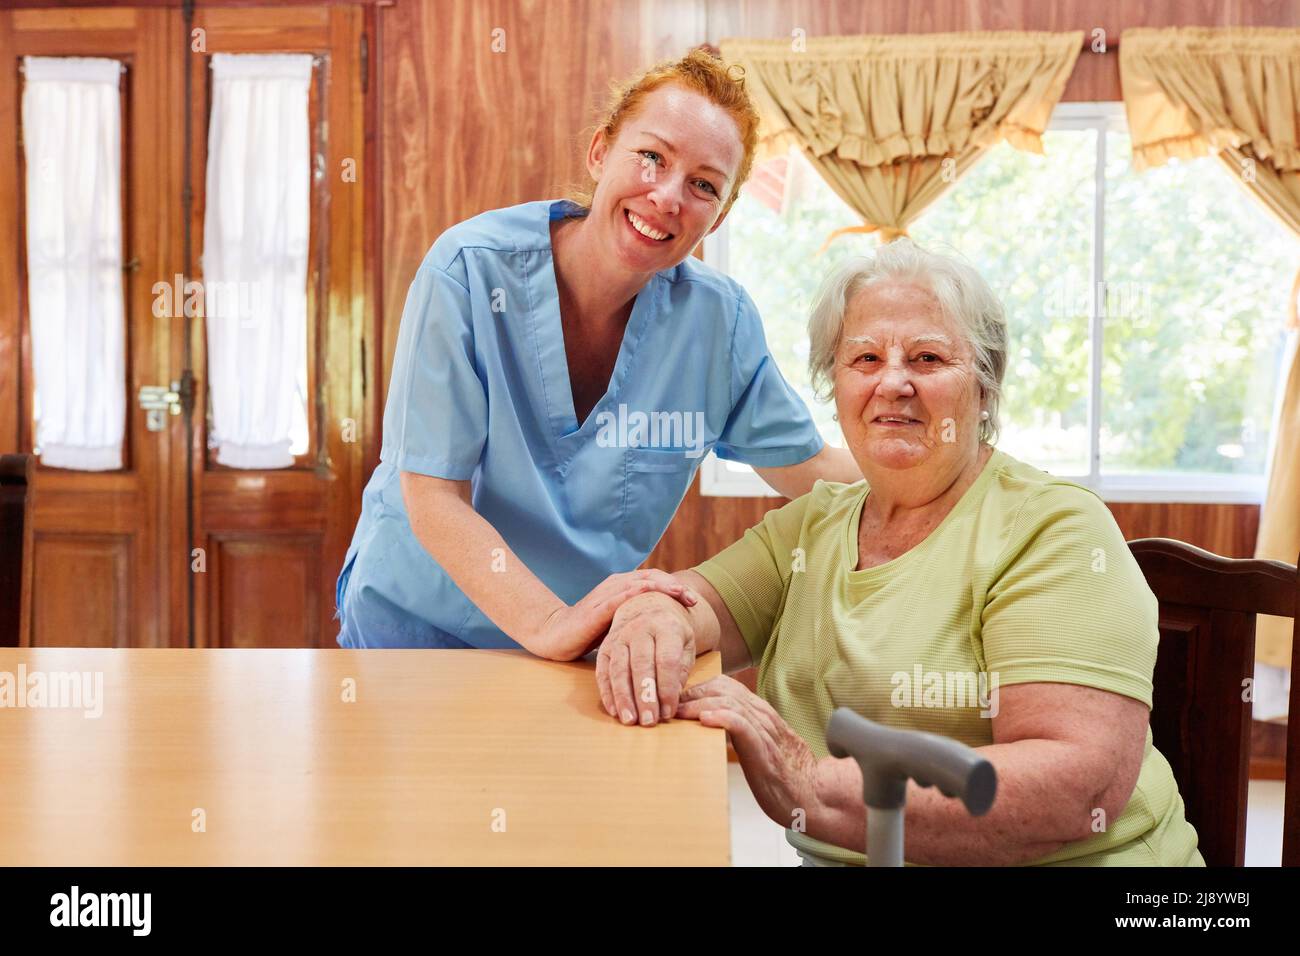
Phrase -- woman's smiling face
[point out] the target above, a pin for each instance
(662, 183)
(906, 389)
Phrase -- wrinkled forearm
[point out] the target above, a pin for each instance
(1044, 801)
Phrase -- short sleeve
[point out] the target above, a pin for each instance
(1069, 603)
(752, 575)
(769, 424)
(435, 421)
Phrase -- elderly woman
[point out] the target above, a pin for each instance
(956, 591)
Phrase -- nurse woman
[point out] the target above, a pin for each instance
(561, 369)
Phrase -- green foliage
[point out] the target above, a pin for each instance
(1197, 279)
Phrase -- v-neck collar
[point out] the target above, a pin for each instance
(549, 336)
(969, 499)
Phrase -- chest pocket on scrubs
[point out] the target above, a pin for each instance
(654, 482)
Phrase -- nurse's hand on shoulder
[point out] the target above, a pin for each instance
(645, 661)
(572, 631)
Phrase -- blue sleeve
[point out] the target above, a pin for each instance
(435, 421)
(769, 425)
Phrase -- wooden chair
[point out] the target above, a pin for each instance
(1199, 720)
(15, 544)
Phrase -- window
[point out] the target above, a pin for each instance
(1146, 338)
(72, 110)
(256, 255)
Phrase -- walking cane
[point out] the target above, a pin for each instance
(889, 758)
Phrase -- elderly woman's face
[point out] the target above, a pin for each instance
(906, 390)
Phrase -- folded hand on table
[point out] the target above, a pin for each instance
(645, 660)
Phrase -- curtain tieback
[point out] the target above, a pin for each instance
(889, 234)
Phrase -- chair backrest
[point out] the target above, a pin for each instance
(15, 533)
(1201, 713)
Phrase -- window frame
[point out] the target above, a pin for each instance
(717, 480)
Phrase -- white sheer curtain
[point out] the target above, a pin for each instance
(72, 135)
(255, 235)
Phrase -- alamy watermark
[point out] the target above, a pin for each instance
(75, 908)
(247, 302)
(1070, 297)
(56, 690)
(948, 689)
(636, 429)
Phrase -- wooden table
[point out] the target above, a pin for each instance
(444, 757)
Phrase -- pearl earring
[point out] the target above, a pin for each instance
(984, 415)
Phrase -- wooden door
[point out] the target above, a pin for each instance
(100, 540)
(272, 541)
(174, 549)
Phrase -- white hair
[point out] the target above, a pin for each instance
(963, 295)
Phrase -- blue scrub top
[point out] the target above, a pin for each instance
(480, 391)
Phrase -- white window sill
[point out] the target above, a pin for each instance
(731, 479)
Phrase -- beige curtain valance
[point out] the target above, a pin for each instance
(1189, 91)
(878, 115)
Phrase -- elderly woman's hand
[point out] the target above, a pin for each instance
(572, 631)
(780, 767)
(644, 662)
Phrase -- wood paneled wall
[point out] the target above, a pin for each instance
(466, 129)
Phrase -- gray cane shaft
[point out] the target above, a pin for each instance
(884, 837)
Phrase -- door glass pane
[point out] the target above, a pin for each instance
(72, 142)
(255, 248)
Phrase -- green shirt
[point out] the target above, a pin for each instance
(1028, 579)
